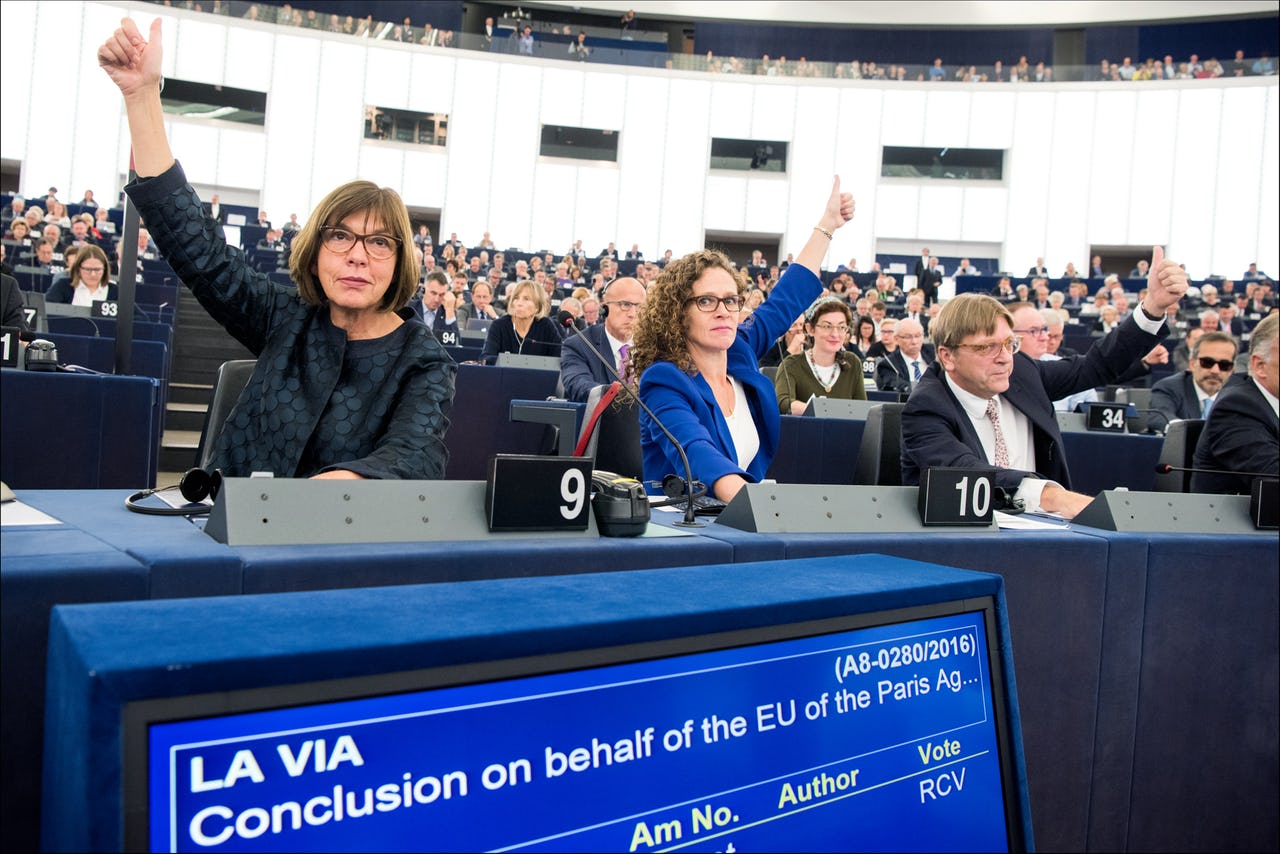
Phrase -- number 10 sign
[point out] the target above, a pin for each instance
(956, 496)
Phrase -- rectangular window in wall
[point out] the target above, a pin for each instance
(406, 126)
(948, 164)
(754, 155)
(579, 143)
(202, 101)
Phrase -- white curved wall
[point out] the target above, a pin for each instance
(1192, 166)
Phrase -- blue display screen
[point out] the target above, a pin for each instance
(881, 738)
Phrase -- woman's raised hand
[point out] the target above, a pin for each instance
(839, 208)
(132, 62)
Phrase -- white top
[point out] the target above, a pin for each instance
(84, 296)
(742, 427)
(1018, 438)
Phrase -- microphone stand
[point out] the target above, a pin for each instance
(690, 519)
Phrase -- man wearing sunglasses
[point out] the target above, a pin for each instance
(1193, 392)
(977, 406)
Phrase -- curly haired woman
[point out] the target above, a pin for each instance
(697, 364)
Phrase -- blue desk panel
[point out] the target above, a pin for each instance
(103, 657)
(1208, 699)
(480, 424)
(41, 566)
(1056, 584)
(78, 431)
(825, 450)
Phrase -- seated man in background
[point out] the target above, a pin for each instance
(979, 406)
(580, 369)
(1192, 393)
(1180, 358)
(1242, 436)
(903, 368)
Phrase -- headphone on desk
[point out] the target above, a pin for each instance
(672, 486)
(196, 485)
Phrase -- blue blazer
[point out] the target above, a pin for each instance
(936, 431)
(687, 406)
(580, 370)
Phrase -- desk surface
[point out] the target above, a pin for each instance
(1099, 691)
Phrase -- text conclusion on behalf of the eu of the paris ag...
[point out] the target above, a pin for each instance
(878, 738)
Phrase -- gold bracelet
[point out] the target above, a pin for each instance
(824, 231)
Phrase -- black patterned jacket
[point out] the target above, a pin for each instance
(316, 401)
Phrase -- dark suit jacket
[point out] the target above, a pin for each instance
(1037, 272)
(580, 369)
(222, 212)
(928, 282)
(924, 321)
(921, 267)
(11, 313)
(936, 431)
(440, 326)
(1172, 398)
(62, 291)
(1241, 435)
(894, 374)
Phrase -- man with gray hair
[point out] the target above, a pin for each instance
(1241, 437)
(980, 407)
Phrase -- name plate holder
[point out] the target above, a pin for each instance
(1106, 417)
(1264, 503)
(295, 511)
(535, 493)
(10, 347)
(811, 508)
(108, 308)
(962, 497)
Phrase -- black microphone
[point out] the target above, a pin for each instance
(1165, 468)
(690, 517)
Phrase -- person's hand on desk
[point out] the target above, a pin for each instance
(336, 474)
(1064, 502)
(727, 487)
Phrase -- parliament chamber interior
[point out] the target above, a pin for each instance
(456, 426)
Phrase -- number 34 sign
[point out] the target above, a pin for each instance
(530, 493)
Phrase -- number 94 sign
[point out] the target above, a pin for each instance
(529, 493)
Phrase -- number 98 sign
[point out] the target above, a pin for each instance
(530, 493)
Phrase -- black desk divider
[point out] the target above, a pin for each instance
(1263, 503)
(1168, 513)
(288, 511)
(810, 508)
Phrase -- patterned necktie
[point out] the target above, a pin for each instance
(1002, 450)
(915, 370)
(622, 359)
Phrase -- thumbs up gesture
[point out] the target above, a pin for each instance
(1166, 283)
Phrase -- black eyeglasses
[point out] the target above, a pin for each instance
(709, 303)
(340, 241)
(1223, 364)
